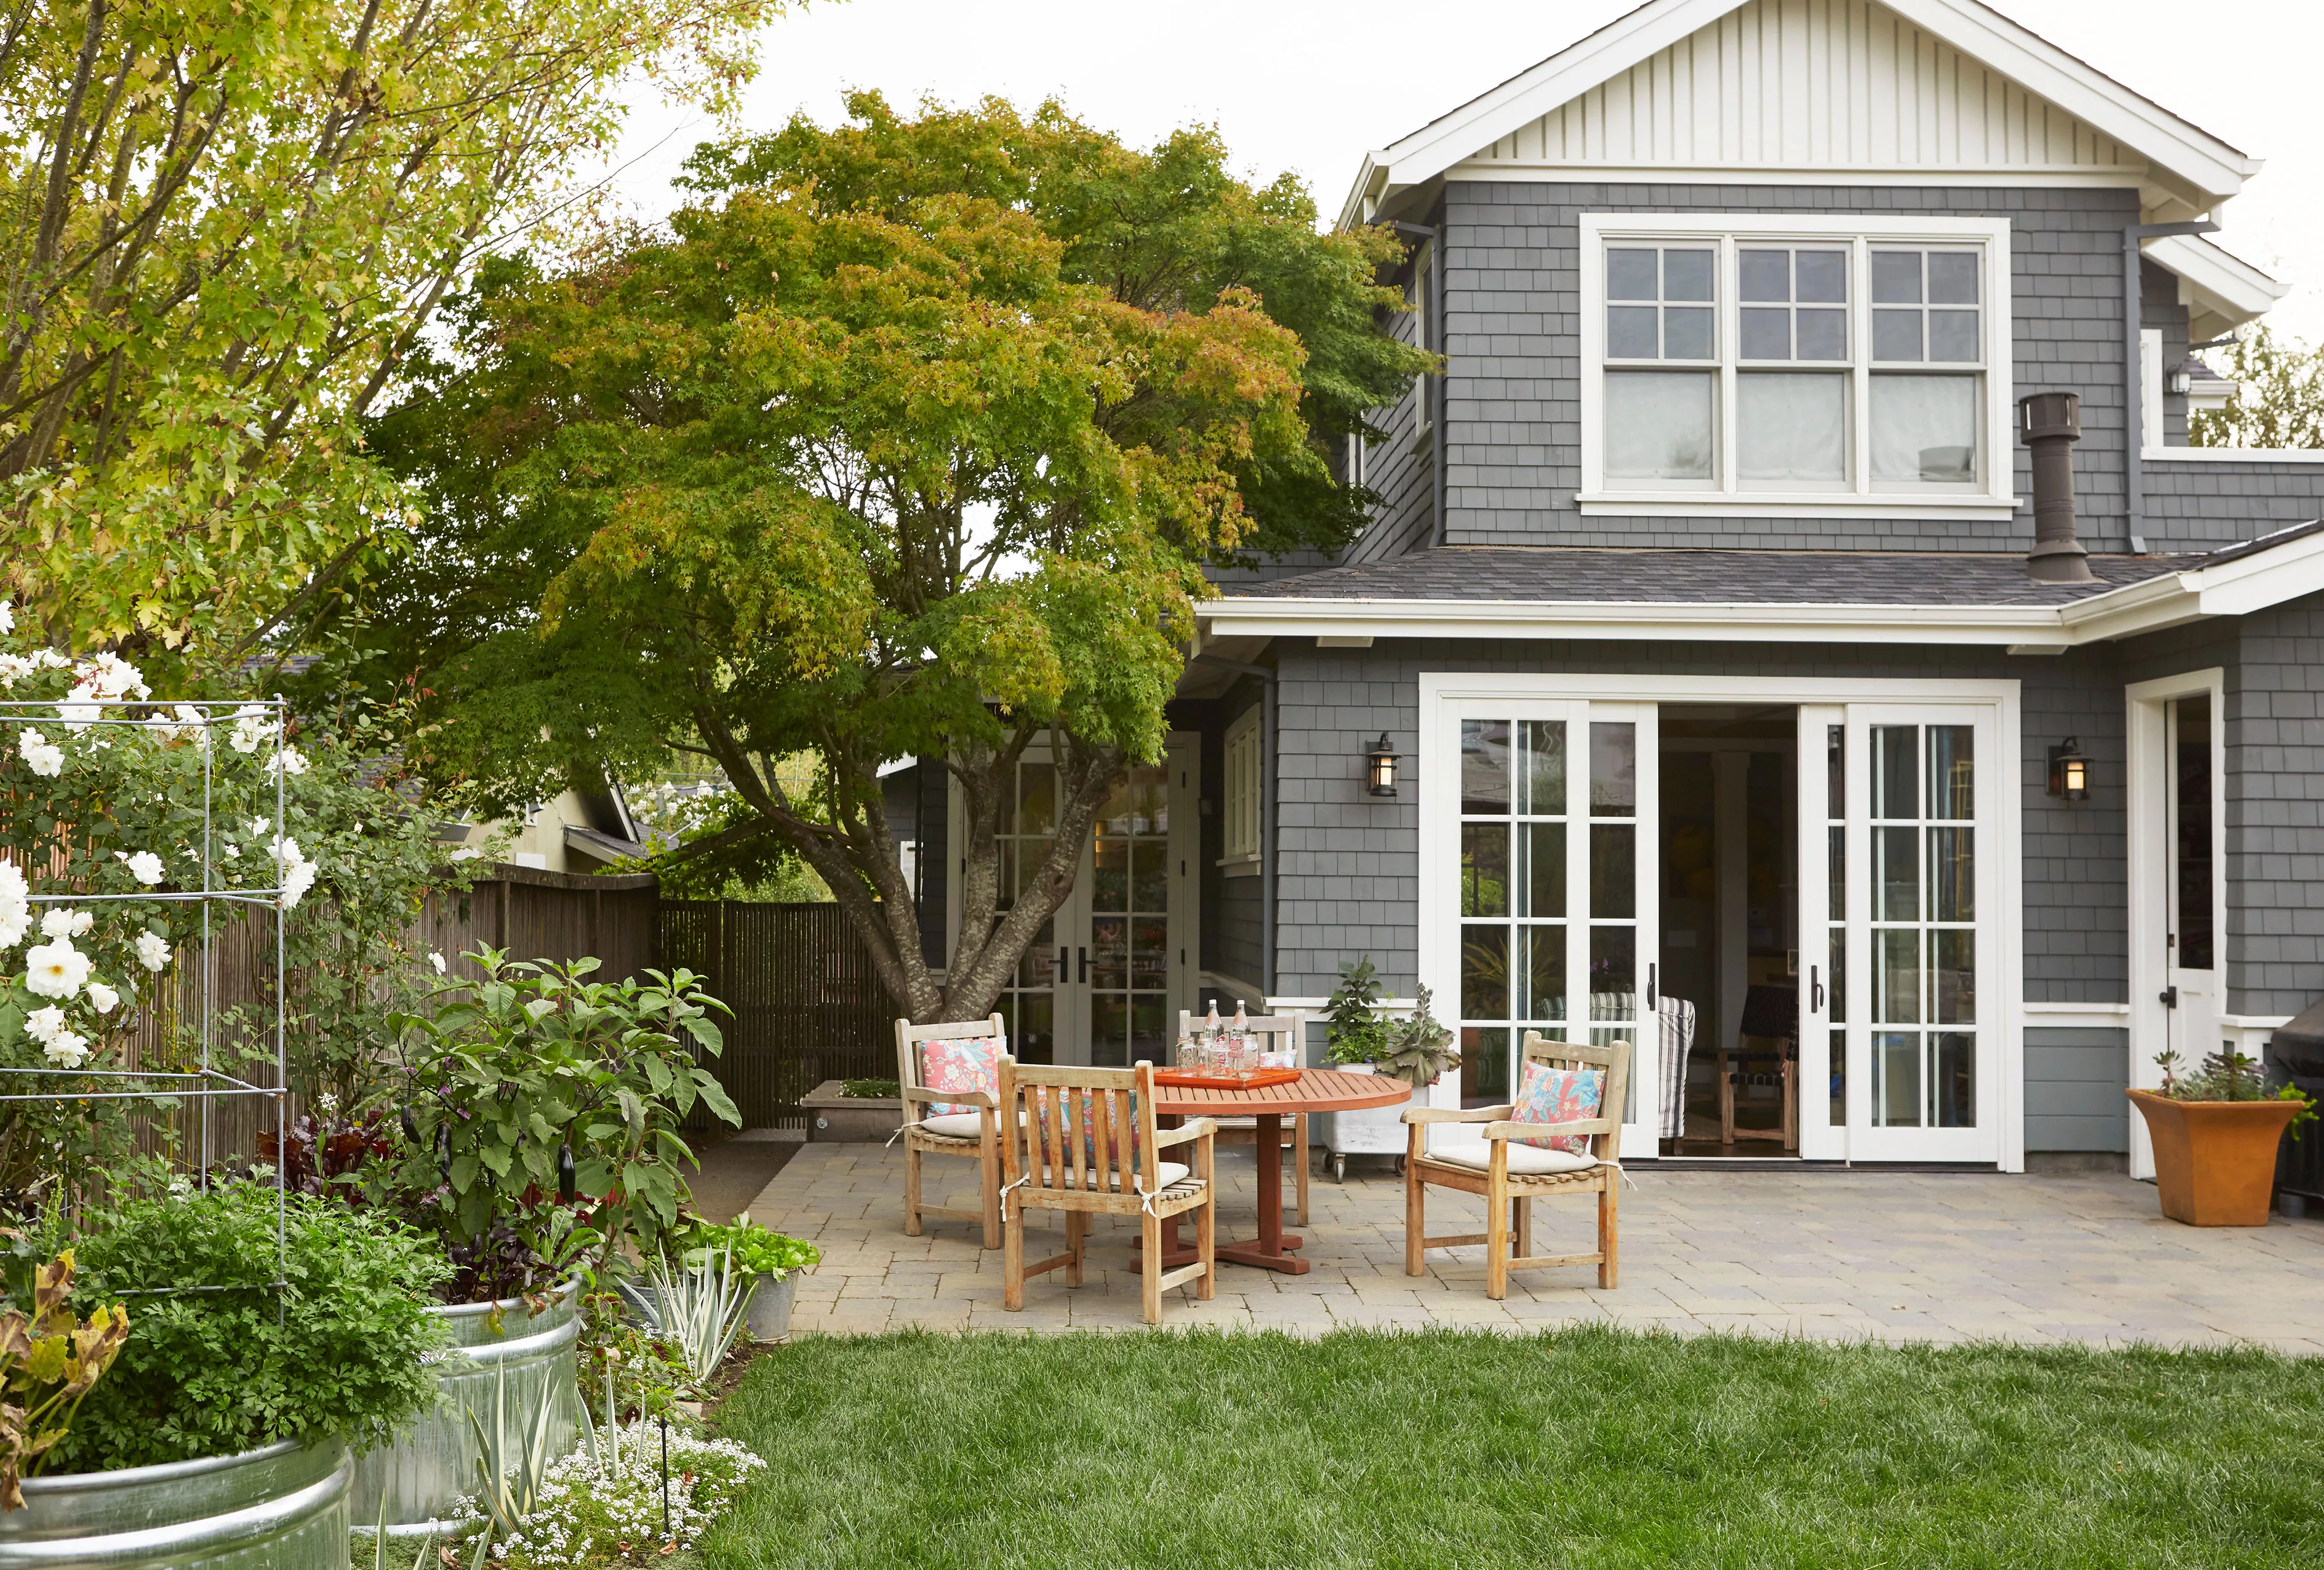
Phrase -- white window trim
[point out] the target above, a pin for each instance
(1993, 501)
(1242, 790)
(1424, 283)
(1437, 779)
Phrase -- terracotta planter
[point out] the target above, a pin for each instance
(2215, 1161)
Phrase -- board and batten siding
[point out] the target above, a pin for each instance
(1800, 83)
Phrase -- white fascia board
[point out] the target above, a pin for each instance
(2229, 287)
(2257, 581)
(1728, 622)
(2210, 167)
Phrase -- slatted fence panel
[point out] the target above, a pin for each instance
(809, 1006)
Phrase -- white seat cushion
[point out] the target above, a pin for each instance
(1170, 1172)
(968, 1125)
(1524, 1160)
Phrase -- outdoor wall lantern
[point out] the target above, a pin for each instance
(2181, 377)
(1379, 767)
(2069, 772)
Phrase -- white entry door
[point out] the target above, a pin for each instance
(1544, 885)
(1905, 1034)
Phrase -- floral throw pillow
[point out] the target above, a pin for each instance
(1085, 1120)
(963, 1063)
(1287, 1058)
(1559, 1095)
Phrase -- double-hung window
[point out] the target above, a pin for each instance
(1793, 366)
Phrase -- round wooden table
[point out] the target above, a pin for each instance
(1315, 1090)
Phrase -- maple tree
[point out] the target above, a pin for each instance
(908, 438)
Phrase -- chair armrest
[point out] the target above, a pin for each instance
(1513, 1131)
(1445, 1114)
(915, 1092)
(1192, 1129)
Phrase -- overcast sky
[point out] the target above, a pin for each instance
(1308, 85)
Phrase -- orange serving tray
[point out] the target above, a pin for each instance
(1256, 1076)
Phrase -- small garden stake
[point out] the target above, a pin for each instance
(665, 1480)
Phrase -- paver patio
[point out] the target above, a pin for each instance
(1842, 1255)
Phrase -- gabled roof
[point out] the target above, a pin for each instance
(2198, 168)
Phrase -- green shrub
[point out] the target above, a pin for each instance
(212, 1372)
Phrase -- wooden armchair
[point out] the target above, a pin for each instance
(1090, 1147)
(1288, 1033)
(1771, 1016)
(1511, 1177)
(972, 1134)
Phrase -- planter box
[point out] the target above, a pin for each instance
(834, 1118)
(2214, 1161)
(1375, 1131)
(769, 1317)
(280, 1508)
(434, 1462)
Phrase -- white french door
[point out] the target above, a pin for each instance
(1555, 915)
(1103, 981)
(1902, 846)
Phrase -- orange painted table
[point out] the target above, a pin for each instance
(1315, 1090)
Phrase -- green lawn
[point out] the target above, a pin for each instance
(1589, 1449)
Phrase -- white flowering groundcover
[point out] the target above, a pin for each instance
(603, 1507)
(123, 821)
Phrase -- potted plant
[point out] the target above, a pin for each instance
(1362, 1036)
(536, 1130)
(255, 1360)
(771, 1261)
(2215, 1133)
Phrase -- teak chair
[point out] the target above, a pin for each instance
(1770, 1014)
(1090, 1147)
(972, 1135)
(1292, 1027)
(1511, 1177)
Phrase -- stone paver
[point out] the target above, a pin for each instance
(1848, 1256)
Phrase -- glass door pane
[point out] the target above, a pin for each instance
(1129, 921)
(1512, 893)
(1027, 831)
(1919, 824)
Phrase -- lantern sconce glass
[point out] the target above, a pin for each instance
(2181, 377)
(2070, 770)
(1379, 767)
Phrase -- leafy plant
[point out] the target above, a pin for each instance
(538, 1081)
(1355, 1030)
(698, 1308)
(644, 1371)
(2229, 1074)
(871, 1089)
(510, 1467)
(756, 1250)
(326, 1332)
(1419, 1048)
(50, 1360)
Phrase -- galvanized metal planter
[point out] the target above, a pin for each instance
(434, 1462)
(769, 1314)
(282, 1508)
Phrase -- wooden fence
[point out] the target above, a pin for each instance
(807, 1005)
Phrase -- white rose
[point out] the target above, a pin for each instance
(55, 970)
(259, 826)
(43, 1024)
(7, 618)
(153, 951)
(15, 920)
(13, 666)
(290, 760)
(297, 882)
(79, 716)
(39, 754)
(147, 867)
(67, 1050)
(58, 922)
(249, 727)
(233, 852)
(437, 960)
(13, 885)
(103, 998)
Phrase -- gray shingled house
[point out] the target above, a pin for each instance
(1698, 680)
